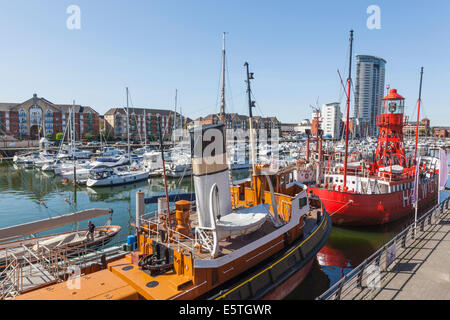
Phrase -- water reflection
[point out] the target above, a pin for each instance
(29, 195)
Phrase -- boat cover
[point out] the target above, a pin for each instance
(242, 221)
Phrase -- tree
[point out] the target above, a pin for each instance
(89, 136)
(59, 136)
(422, 132)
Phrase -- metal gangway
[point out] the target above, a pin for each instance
(27, 268)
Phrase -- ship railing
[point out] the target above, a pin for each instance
(176, 239)
(9, 279)
(50, 264)
(64, 260)
(369, 275)
(27, 265)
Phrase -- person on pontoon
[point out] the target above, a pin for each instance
(91, 229)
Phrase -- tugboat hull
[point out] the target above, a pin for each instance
(282, 274)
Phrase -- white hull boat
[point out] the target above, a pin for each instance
(110, 177)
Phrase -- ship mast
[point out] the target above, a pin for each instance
(222, 110)
(349, 81)
(418, 113)
(161, 142)
(251, 104)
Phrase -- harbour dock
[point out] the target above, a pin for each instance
(415, 265)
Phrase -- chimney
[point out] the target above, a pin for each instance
(209, 167)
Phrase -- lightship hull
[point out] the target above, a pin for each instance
(351, 209)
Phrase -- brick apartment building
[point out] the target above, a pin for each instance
(37, 117)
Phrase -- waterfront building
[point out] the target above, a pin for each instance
(239, 121)
(304, 125)
(331, 120)
(288, 129)
(38, 117)
(409, 128)
(369, 89)
(142, 123)
(441, 132)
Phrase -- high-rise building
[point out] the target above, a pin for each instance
(369, 89)
(331, 119)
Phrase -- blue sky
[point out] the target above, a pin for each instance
(153, 47)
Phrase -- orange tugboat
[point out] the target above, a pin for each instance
(254, 240)
(232, 247)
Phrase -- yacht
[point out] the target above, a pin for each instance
(104, 177)
(73, 153)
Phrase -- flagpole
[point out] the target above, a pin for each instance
(439, 179)
(416, 194)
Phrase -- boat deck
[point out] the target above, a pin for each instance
(234, 243)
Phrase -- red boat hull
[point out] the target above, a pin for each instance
(351, 209)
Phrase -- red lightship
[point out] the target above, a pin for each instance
(363, 193)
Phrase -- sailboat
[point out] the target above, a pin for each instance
(111, 176)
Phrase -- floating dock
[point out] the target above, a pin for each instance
(412, 266)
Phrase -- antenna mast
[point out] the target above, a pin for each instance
(251, 104)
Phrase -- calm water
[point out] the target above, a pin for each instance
(28, 195)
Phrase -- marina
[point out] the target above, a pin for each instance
(233, 158)
(26, 190)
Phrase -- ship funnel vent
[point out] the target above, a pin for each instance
(209, 167)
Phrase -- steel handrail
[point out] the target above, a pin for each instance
(338, 286)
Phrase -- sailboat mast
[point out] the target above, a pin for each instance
(128, 127)
(418, 113)
(222, 110)
(349, 81)
(175, 117)
(72, 125)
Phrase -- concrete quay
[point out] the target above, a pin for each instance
(420, 271)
